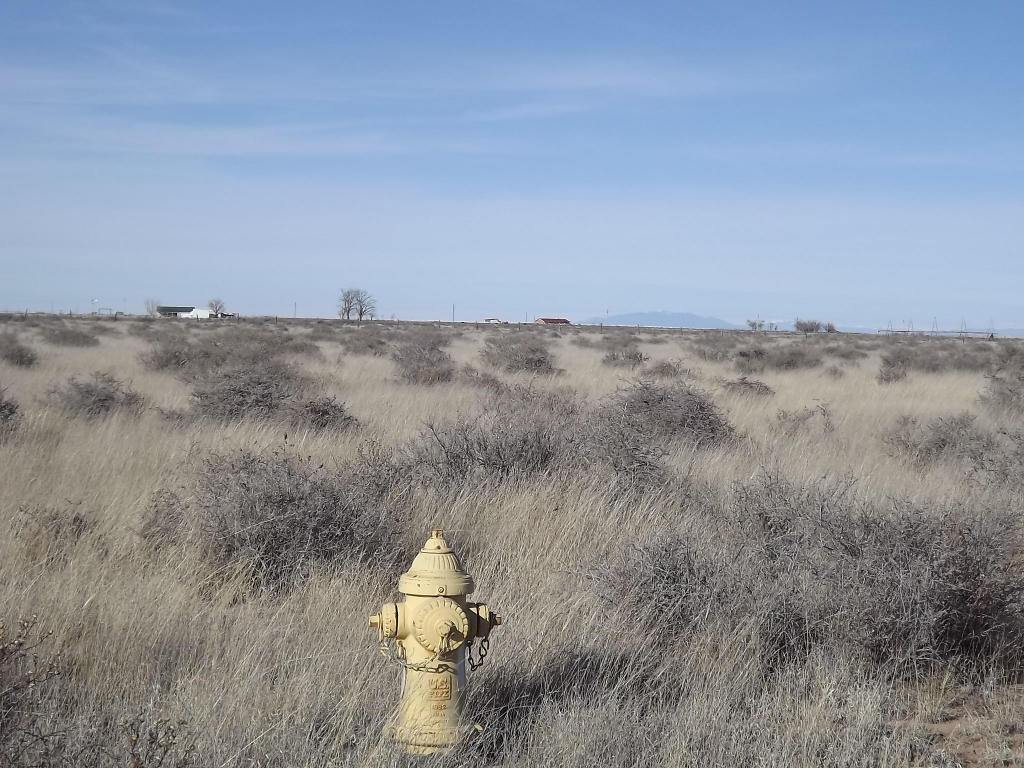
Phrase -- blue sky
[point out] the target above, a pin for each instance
(859, 162)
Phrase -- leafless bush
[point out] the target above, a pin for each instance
(250, 391)
(674, 410)
(426, 336)
(231, 347)
(666, 369)
(745, 386)
(750, 360)
(277, 517)
(26, 667)
(791, 357)
(49, 534)
(177, 353)
(99, 395)
(846, 351)
(668, 579)
(103, 328)
(63, 336)
(810, 568)
(930, 355)
(325, 330)
(892, 369)
(522, 352)
(714, 347)
(482, 379)
(924, 586)
(10, 415)
(791, 422)
(322, 414)
(14, 352)
(624, 357)
(948, 438)
(1004, 384)
(520, 432)
(422, 363)
(654, 337)
(783, 357)
(585, 341)
(365, 340)
(157, 742)
(835, 372)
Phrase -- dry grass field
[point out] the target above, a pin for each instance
(711, 549)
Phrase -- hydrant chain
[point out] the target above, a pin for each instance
(481, 654)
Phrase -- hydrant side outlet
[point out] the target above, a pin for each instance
(434, 629)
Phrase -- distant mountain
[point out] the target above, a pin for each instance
(663, 320)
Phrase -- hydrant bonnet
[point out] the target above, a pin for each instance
(436, 570)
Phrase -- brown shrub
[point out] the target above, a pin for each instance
(714, 346)
(99, 395)
(847, 351)
(278, 517)
(520, 432)
(221, 348)
(50, 534)
(666, 369)
(246, 392)
(783, 357)
(422, 363)
(10, 415)
(1004, 382)
(14, 352)
(322, 414)
(892, 369)
(745, 386)
(950, 438)
(624, 357)
(675, 411)
(791, 422)
(177, 353)
(521, 352)
(791, 357)
(365, 340)
(482, 379)
(63, 336)
(805, 569)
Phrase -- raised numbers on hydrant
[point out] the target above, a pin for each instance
(434, 630)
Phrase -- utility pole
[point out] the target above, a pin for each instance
(453, 314)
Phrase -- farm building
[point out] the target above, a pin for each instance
(552, 321)
(192, 313)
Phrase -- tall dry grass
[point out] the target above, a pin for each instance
(806, 592)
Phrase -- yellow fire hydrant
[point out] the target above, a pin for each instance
(434, 630)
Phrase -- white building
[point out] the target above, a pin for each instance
(191, 313)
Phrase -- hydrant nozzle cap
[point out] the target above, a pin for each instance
(436, 570)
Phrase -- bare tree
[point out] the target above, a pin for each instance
(216, 305)
(807, 326)
(151, 305)
(366, 305)
(756, 325)
(347, 303)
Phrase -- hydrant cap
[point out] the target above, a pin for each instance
(436, 570)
